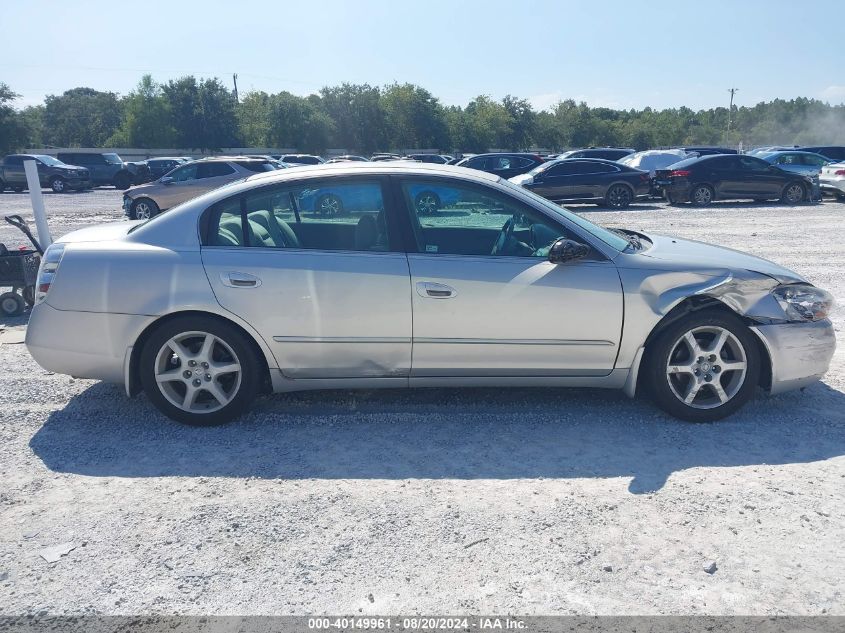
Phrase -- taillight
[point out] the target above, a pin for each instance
(46, 273)
(839, 172)
(680, 173)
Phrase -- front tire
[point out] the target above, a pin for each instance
(702, 195)
(704, 367)
(199, 371)
(618, 197)
(57, 185)
(793, 193)
(144, 209)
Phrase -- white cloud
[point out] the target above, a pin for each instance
(833, 94)
(549, 100)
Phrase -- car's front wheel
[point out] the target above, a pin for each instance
(57, 185)
(144, 209)
(199, 371)
(122, 181)
(703, 367)
(793, 193)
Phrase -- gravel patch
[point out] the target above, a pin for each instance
(523, 501)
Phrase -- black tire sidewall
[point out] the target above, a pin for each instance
(619, 206)
(20, 305)
(657, 356)
(243, 348)
(702, 204)
(785, 196)
(53, 182)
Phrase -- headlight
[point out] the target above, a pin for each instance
(803, 302)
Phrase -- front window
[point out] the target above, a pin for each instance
(49, 160)
(460, 219)
(183, 174)
(342, 215)
(608, 237)
(112, 159)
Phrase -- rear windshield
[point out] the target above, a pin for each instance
(687, 162)
(256, 166)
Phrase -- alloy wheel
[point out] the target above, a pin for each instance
(619, 196)
(143, 211)
(330, 205)
(198, 372)
(702, 195)
(794, 193)
(58, 185)
(706, 367)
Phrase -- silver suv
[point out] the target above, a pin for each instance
(188, 181)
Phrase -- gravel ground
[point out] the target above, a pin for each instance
(520, 501)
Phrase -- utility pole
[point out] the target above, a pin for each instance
(733, 91)
(235, 80)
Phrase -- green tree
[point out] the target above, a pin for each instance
(358, 115)
(12, 130)
(81, 117)
(414, 117)
(255, 112)
(523, 121)
(146, 118)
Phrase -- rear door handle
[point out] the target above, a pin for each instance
(235, 279)
(431, 290)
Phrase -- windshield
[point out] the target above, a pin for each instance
(112, 159)
(611, 239)
(49, 160)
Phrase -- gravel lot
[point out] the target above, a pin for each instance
(521, 501)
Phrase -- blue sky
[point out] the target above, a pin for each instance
(612, 53)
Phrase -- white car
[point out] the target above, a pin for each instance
(654, 159)
(832, 180)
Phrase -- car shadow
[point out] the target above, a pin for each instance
(437, 434)
(635, 206)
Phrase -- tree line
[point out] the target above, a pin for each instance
(203, 114)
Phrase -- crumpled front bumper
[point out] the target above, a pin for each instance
(800, 352)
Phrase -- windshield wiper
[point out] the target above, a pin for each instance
(631, 238)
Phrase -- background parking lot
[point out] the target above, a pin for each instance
(521, 501)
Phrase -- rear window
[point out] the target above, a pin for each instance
(213, 170)
(256, 166)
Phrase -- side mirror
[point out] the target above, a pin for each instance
(564, 250)
(166, 180)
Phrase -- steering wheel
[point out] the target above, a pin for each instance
(504, 237)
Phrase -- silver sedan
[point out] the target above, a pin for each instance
(341, 276)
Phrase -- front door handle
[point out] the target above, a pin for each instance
(235, 279)
(431, 290)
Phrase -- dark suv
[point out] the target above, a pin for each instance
(836, 153)
(51, 172)
(106, 168)
(506, 165)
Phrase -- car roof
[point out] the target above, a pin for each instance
(583, 159)
(531, 154)
(374, 168)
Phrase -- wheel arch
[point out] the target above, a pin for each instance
(133, 377)
(697, 303)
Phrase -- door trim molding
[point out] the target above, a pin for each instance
(504, 341)
(342, 339)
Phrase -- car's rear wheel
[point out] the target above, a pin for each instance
(427, 203)
(704, 367)
(144, 209)
(701, 195)
(199, 371)
(329, 204)
(793, 193)
(618, 197)
(122, 181)
(840, 197)
(12, 304)
(57, 185)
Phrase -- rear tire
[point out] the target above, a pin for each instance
(618, 197)
(199, 370)
(702, 195)
(122, 181)
(704, 367)
(12, 304)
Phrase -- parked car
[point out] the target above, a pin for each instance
(302, 159)
(188, 181)
(52, 173)
(757, 151)
(437, 159)
(106, 168)
(832, 180)
(244, 293)
(587, 180)
(384, 156)
(505, 165)
(799, 162)
(707, 150)
(835, 153)
(704, 179)
(161, 165)
(607, 153)
(653, 159)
